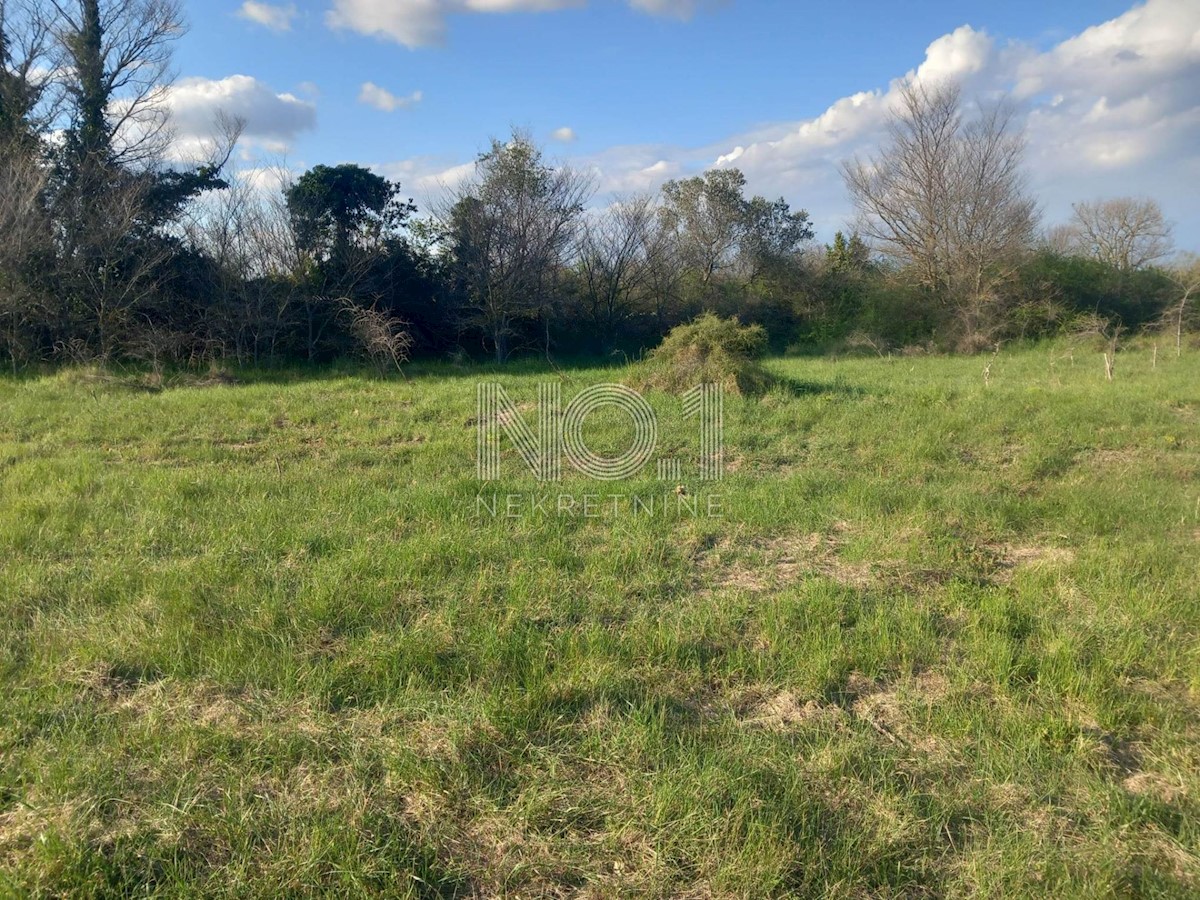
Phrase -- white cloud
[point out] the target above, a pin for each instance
(679, 9)
(422, 23)
(958, 55)
(564, 135)
(266, 179)
(272, 120)
(1113, 110)
(373, 95)
(276, 18)
(419, 23)
(629, 170)
(429, 180)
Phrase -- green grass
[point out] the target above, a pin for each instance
(256, 640)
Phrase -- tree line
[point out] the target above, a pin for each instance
(110, 249)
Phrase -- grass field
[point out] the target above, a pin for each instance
(259, 639)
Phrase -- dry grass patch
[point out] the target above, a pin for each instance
(887, 707)
(170, 704)
(785, 710)
(1013, 558)
(785, 560)
(765, 563)
(1155, 786)
(36, 817)
(1016, 556)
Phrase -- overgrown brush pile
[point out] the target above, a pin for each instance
(708, 350)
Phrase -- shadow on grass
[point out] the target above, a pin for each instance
(142, 379)
(796, 387)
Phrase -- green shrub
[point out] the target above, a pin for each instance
(708, 350)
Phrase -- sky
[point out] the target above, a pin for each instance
(639, 91)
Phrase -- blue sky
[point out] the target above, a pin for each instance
(1111, 91)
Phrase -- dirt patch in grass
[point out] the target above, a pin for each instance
(1155, 786)
(305, 789)
(1015, 556)
(888, 707)
(999, 562)
(1125, 458)
(104, 681)
(796, 556)
(1019, 802)
(762, 564)
(503, 416)
(1162, 459)
(1115, 755)
(785, 710)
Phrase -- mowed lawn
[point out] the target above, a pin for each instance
(259, 639)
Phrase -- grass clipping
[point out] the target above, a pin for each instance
(708, 350)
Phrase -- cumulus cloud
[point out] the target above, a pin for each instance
(272, 120)
(422, 23)
(269, 15)
(1112, 110)
(430, 180)
(958, 55)
(635, 170)
(564, 135)
(372, 94)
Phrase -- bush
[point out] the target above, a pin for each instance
(708, 350)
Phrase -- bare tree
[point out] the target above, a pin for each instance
(1127, 233)
(995, 218)
(112, 195)
(510, 230)
(25, 235)
(665, 271)
(25, 243)
(903, 195)
(1061, 240)
(26, 99)
(1186, 277)
(257, 266)
(115, 62)
(615, 263)
(946, 197)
